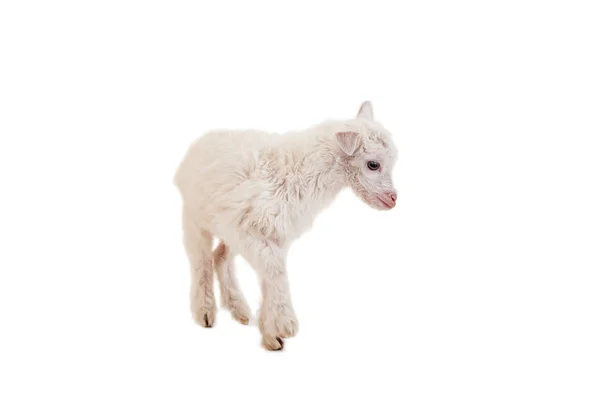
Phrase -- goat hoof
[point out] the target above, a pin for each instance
(273, 344)
(205, 319)
(241, 315)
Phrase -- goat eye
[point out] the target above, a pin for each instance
(373, 165)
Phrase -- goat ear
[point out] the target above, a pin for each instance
(366, 111)
(348, 141)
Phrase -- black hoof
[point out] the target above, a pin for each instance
(280, 341)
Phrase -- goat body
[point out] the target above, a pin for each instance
(257, 192)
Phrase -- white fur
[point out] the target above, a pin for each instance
(257, 192)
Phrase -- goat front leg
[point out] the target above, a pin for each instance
(276, 318)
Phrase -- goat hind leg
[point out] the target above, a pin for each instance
(232, 297)
(198, 244)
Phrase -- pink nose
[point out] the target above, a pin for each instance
(393, 197)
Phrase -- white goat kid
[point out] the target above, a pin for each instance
(257, 192)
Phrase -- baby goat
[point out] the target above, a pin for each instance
(257, 192)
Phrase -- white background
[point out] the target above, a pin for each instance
(482, 284)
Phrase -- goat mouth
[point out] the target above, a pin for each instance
(377, 202)
(385, 202)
